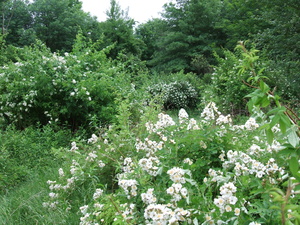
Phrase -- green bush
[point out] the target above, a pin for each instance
(68, 89)
(175, 95)
(227, 85)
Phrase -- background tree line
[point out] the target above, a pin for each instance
(185, 38)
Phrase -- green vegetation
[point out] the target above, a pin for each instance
(192, 118)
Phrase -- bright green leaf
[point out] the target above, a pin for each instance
(293, 138)
(270, 135)
(294, 166)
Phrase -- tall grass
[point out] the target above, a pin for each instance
(27, 160)
(24, 205)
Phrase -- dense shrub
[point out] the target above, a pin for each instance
(175, 95)
(69, 89)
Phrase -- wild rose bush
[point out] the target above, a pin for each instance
(175, 95)
(154, 174)
(70, 89)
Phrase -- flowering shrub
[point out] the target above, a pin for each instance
(156, 174)
(73, 88)
(175, 95)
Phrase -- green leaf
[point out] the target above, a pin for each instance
(275, 207)
(294, 166)
(286, 151)
(260, 71)
(264, 87)
(292, 207)
(293, 138)
(284, 123)
(273, 111)
(275, 120)
(270, 136)
(265, 102)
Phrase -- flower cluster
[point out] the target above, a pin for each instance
(150, 165)
(177, 94)
(93, 139)
(91, 212)
(227, 198)
(188, 161)
(128, 165)
(210, 112)
(250, 124)
(163, 214)
(177, 174)
(74, 147)
(148, 197)
(129, 186)
(177, 191)
(216, 176)
(224, 120)
(127, 211)
(141, 199)
(98, 193)
(245, 165)
(56, 188)
(164, 120)
(183, 116)
(150, 147)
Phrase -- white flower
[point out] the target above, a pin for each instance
(254, 223)
(177, 175)
(61, 172)
(149, 197)
(53, 195)
(183, 116)
(251, 124)
(84, 209)
(188, 161)
(228, 208)
(237, 211)
(93, 139)
(97, 193)
(74, 147)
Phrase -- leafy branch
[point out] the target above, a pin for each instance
(262, 97)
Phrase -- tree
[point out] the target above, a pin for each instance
(241, 20)
(5, 19)
(118, 31)
(57, 22)
(18, 29)
(281, 42)
(189, 37)
(150, 33)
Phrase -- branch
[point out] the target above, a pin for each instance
(249, 85)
